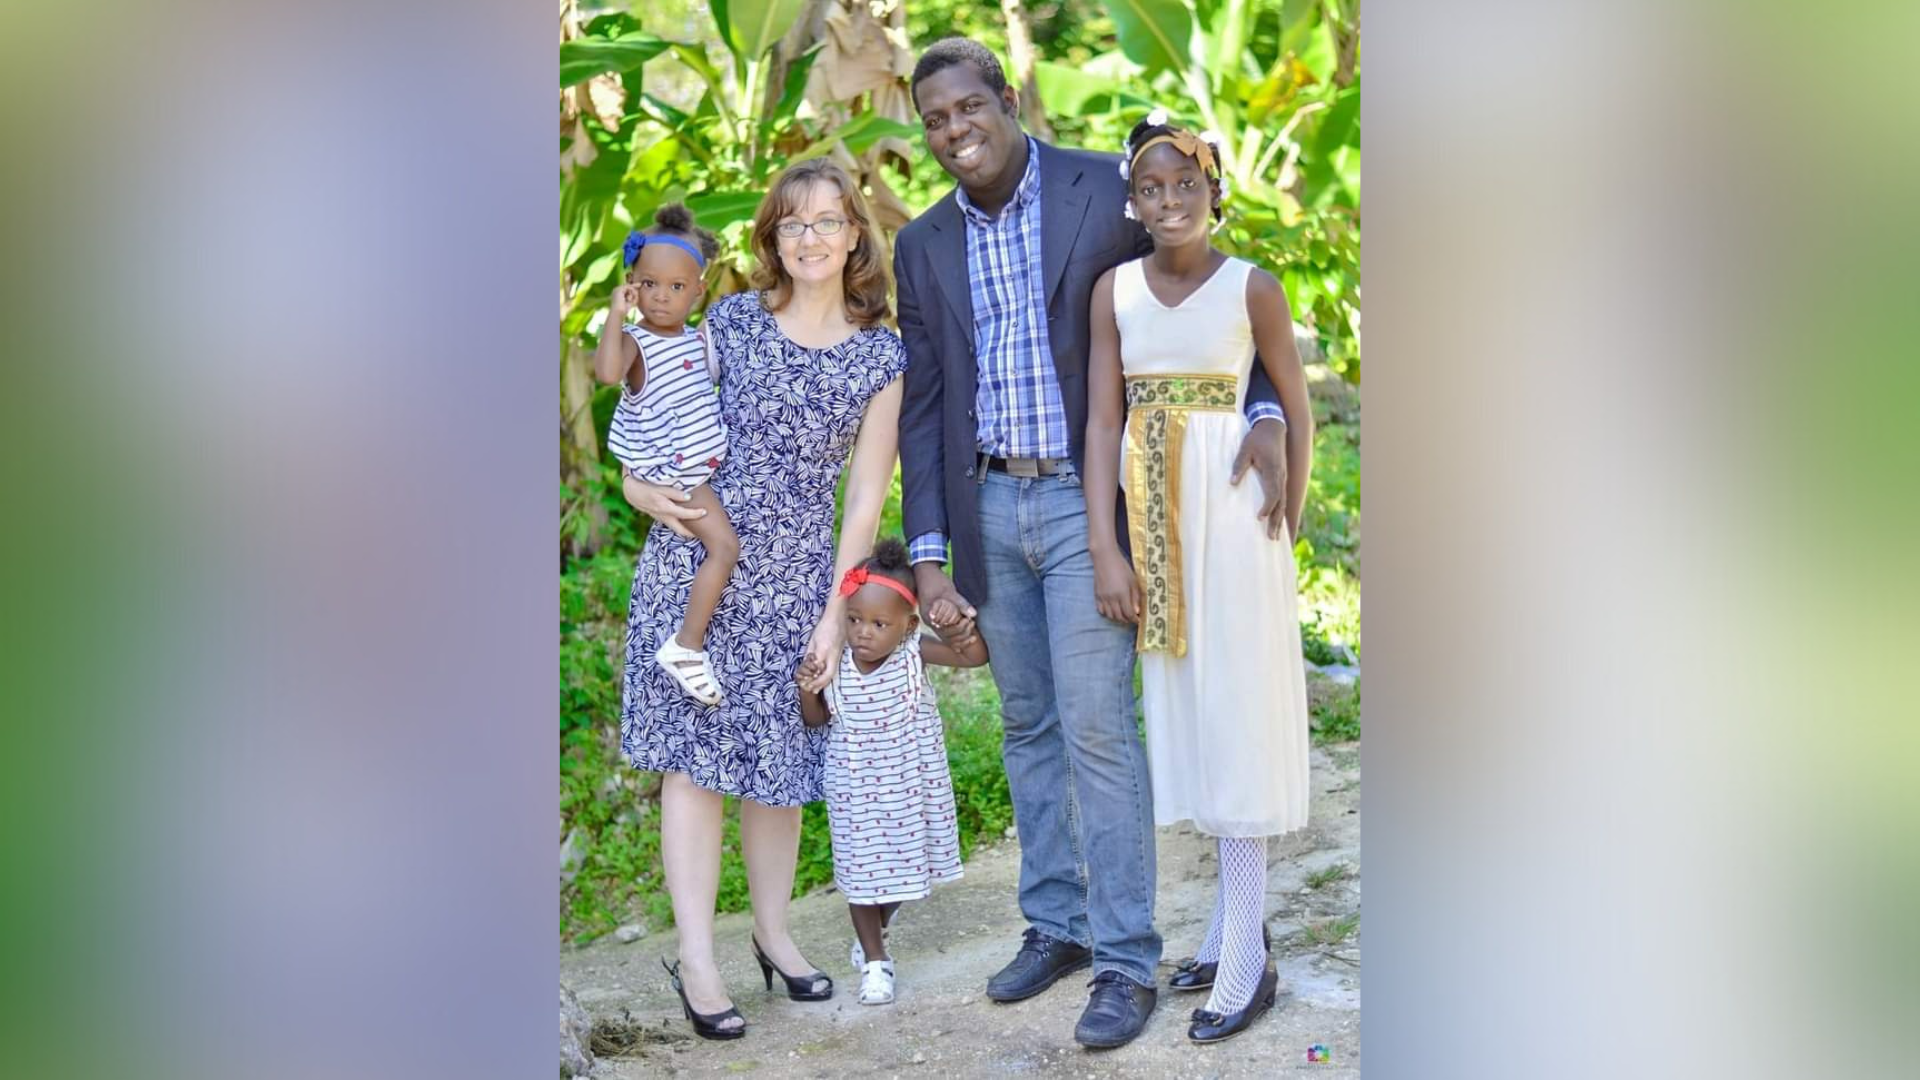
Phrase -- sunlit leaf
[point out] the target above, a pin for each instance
(861, 133)
(757, 25)
(1154, 33)
(583, 58)
(717, 210)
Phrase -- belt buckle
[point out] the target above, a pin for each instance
(1024, 467)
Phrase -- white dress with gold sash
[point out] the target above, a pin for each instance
(1223, 680)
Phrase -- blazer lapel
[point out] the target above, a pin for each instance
(948, 251)
(1063, 210)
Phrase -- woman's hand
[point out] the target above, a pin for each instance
(823, 651)
(661, 503)
(1116, 588)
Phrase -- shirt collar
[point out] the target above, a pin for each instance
(1028, 190)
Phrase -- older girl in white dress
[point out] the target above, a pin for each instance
(1211, 584)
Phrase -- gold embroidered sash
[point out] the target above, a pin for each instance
(1157, 408)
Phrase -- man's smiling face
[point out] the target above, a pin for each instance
(973, 132)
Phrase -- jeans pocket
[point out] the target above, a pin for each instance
(1068, 477)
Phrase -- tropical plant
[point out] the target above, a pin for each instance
(1278, 80)
(802, 78)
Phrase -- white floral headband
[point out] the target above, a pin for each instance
(1204, 148)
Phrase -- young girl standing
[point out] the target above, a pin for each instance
(1211, 585)
(666, 429)
(889, 795)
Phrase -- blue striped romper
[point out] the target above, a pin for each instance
(670, 432)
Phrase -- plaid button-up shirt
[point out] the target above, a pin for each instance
(1018, 395)
(1017, 399)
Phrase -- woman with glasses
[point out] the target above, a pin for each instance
(809, 386)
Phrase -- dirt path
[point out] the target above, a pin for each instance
(942, 1024)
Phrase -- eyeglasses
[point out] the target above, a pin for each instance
(791, 230)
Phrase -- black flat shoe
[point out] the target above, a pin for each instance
(1039, 964)
(1116, 1011)
(800, 989)
(705, 1025)
(1213, 1027)
(1194, 975)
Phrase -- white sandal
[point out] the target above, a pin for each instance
(876, 986)
(690, 669)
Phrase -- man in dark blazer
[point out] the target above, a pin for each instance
(994, 283)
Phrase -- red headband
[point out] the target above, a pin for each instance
(860, 575)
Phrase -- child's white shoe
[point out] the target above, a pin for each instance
(876, 986)
(690, 669)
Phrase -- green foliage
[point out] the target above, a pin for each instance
(970, 709)
(1326, 556)
(1335, 713)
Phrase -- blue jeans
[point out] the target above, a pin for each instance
(1082, 798)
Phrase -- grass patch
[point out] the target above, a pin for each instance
(1334, 710)
(1320, 879)
(1332, 931)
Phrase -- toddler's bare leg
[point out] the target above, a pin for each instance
(716, 534)
(867, 921)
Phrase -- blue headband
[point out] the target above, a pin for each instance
(637, 240)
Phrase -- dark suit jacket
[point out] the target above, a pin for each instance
(1083, 234)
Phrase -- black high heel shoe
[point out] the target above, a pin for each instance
(1194, 975)
(1213, 1027)
(800, 989)
(705, 1025)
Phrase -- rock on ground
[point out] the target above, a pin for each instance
(946, 946)
(576, 1029)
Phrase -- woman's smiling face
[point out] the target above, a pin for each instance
(810, 256)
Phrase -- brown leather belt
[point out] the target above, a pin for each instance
(1024, 466)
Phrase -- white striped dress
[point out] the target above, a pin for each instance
(670, 432)
(889, 795)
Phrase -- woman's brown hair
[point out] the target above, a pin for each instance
(867, 278)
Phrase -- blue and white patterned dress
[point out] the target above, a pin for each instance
(792, 414)
(889, 793)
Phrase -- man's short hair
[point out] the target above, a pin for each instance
(947, 52)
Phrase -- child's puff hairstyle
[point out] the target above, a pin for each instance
(1156, 125)
(676, 220)
(889, 559)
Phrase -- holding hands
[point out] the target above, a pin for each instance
(943, 607)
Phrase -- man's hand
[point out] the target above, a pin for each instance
(661, 503)
(942, 605)
(954, 628)
(1265, 449)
